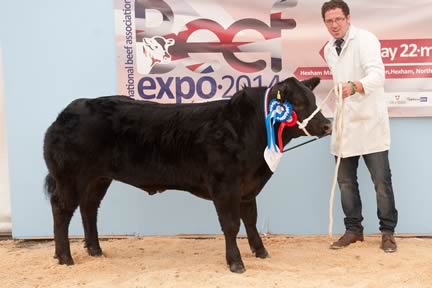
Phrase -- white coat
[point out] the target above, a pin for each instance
(365, 127)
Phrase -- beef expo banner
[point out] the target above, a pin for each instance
(185, 51)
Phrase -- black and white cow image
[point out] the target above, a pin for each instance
(154, 51)
(213, 150)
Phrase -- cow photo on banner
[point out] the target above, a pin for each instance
(186, 51)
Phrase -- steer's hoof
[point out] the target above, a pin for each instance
(262, 254)
(64, 259)
(237, 268)
(94, 251)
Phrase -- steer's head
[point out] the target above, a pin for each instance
(299, 94)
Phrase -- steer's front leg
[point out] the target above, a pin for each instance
(227, 204)
(248, 212)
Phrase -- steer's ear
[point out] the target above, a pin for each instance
(312, 82)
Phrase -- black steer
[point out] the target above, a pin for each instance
(213, 150)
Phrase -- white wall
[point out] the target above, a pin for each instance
(5, 211)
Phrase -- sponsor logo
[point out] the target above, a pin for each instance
(397, 100)
(416, 99)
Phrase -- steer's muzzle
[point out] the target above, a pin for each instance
(327, 129)
(319, 127)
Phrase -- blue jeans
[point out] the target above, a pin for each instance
(379, 168)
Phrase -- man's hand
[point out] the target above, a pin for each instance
(347, 88)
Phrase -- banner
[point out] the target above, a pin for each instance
(184, 51)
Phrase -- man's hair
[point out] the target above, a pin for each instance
(333, 4)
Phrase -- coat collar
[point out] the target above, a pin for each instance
(351, 34)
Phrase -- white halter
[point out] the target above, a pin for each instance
(305, 122)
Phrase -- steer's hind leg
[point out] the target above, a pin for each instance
(227, 204)
(89, 204)
(248, 212)
(63, 204)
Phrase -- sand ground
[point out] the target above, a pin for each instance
(190, 261)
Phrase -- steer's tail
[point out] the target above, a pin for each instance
(50, 185)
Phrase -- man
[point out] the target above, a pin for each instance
(354, 58)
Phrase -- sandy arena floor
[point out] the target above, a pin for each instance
(191, 262)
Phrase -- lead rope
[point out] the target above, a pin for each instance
(339, 125)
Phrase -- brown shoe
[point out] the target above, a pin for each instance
(346, 239)
(388, 243)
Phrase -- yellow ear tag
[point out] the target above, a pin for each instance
(278, 96)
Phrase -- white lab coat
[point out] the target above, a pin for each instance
(365, 127)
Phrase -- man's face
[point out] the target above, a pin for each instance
(336, 22)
